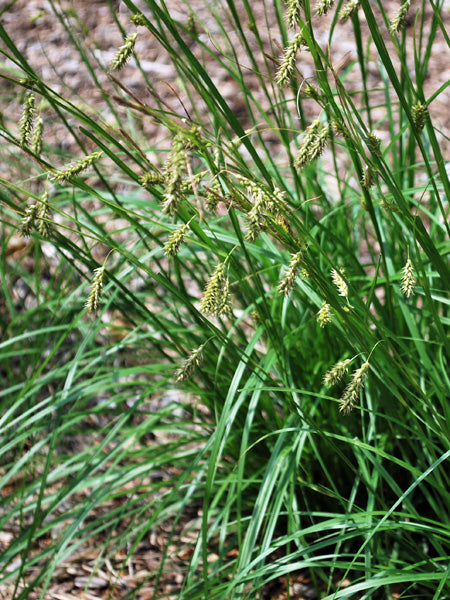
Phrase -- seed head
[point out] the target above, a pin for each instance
(293, 14)
(189, 364)
(216, 299)
(324, 314)
(374, 144)
(408, 279)
(66, 174)
(93, 300)
(191, 24)
(339, 282)
(138, 19)
(287, 66)
(323, 6)
(398, 22)
(419, 113)
(28, 220)
(337, 372)
(349, 9)
(213, 196)
(313, 144)
(287, 283)
(43, 218)
(124, 52)
(351, 393)
(148, 180)
(36, 140)
(26, 121)
(174, 171)
(176, 239)
(367, 180)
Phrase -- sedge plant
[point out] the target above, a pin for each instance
(257, 308)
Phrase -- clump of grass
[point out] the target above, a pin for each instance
(298, 466)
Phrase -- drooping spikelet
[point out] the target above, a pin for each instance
(43, 220)
(340, 283)
(408, 279)
(216, 298)
(175, 240)
(124, 52)
(28, 220)
(148, 180)
(419, 113)
(255, 215)
(337, 372)
(324, 314)
(313, 144)
(26, 121)
(323, 6)
(93, 300)
(349, 9)
(374, 144)
(398, 22)
(65, 175)
(138, 19)
(293, 13)
(175, 168)
(189, 364)
(351, 393)
(36, 140)
(287, 283)
(367, 180)
(213, 196)
(287, 67)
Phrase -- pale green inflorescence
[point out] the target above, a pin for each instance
(324, 314)
(216, 298)
(337, 372)
(93, 300)
(351, 393)
(26, 121)
(287, 283)
(408, 279)
(398, 22)
(287, 67)
(124, 52)
(65, 175)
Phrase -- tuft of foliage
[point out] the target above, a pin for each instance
(251, 318)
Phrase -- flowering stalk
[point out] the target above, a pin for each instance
(287, 283)
(287, 66)
(339, 282)
(189, 364)
(337, 372)
(349, 10)
(66, 174)
(28, 220)
(408, 279)
(176, 239)
(43, 225)
(293, 14)
(324, 314)
(398, 22)
(216, 299)
(36, 141)
(351, 393)
(124, 52)
(323, 6)
(26, 121)
(93, 300)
